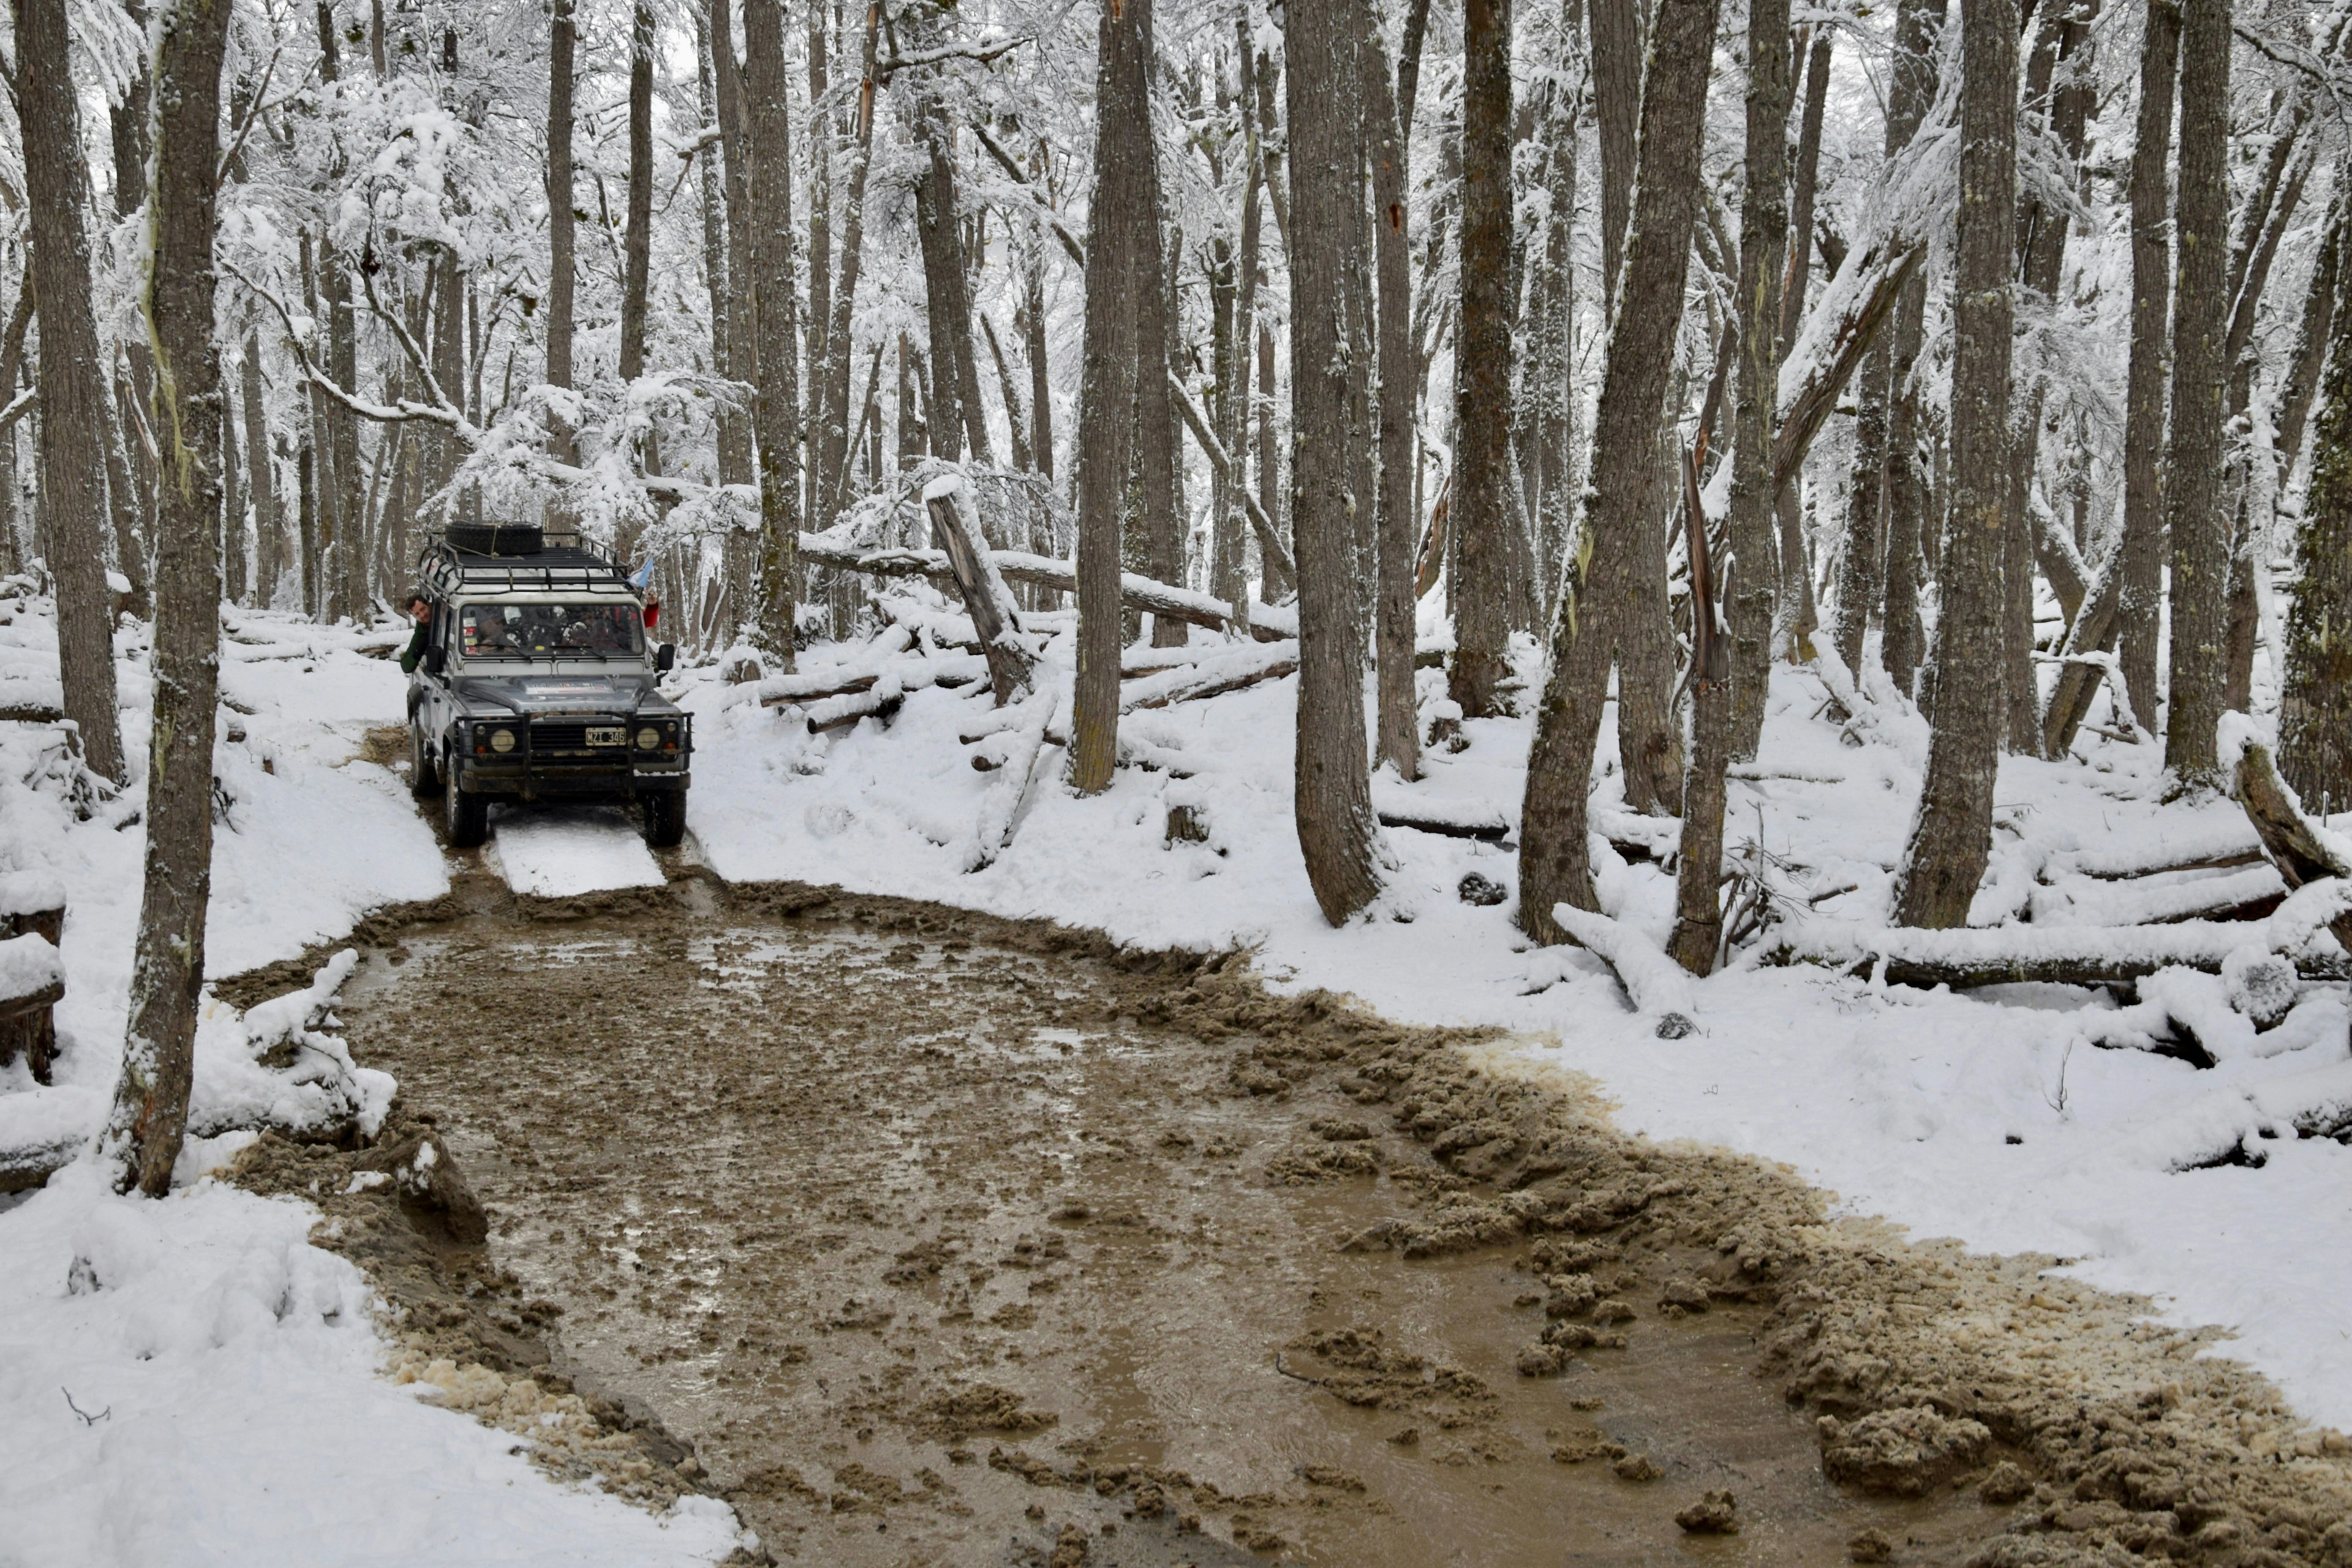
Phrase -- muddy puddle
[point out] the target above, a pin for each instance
(945, 1252)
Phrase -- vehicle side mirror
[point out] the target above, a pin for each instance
(664, 657)
(434, 659)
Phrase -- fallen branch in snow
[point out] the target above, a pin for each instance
(1485, 831)
(1211, 677)
(1655, 983)
(2308, 856)
(2063, 955)
(2247, 893)
(1268, 622)
(955, 520)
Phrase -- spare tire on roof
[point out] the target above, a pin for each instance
(496, 538)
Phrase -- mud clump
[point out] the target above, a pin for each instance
(1716, 1513)
(1902, 1452)
(984, 1408)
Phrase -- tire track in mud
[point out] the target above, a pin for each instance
(945, 1239)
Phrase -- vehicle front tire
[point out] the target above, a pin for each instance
(424, 778)
(468, 818)
(665, 819)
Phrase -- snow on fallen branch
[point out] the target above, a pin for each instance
(1655, 983)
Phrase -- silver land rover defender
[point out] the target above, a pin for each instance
(538, 682)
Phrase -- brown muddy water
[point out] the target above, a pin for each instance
(944, 1252)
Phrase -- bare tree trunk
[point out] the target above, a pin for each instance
(637, 253)
(150, 1114)
(1952, 835)
(835, 398)
(1548, 376)
(2144, 422)
(1122, 236)
(1338, 836)
(939, 222)
(829, 446)
(1400, 722)
(738, 463)
(1156, 531)
(1482, 510)
(1620, 518)
(1041, 373)
(72, 384)
(768, 118)
(1903, 644)
(733, 439)
(1617, 109)
(2310, 355)
(1763, 245)
(2199, 533)
(2316, 694)
(561, 35)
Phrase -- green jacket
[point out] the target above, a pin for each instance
(414, 651)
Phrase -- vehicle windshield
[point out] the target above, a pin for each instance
(544, 631)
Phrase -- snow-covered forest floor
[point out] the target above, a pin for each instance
(2034, 1119)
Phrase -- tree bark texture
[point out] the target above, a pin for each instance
(1617, 111)
(1399, 727)
(733, 437)
(2194, 518)
(1338, 834)
(1483, 514)
(2144, 397)
(151, 1101)
(2315, 696)
(563, 35)
(261, 479)
(72, 382)
(1596, 591)
(768, 120)
(1122, 233)
(1902, 644)
(1763, 242)
(835, 395)
(638, 246)
(1952, 835)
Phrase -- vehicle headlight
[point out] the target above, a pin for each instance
(648, 738)
(503, 741)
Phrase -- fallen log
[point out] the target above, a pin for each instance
(882, 701)
(2063, 955)
(1267, 623)
(1481, 832)
(32, 983)
(955, 520)
(2247, 893)
(2307, 856)
(1215, 685)
(1655, 983)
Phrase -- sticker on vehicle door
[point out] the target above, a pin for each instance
(604, 735)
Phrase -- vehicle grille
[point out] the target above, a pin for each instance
(559, 739)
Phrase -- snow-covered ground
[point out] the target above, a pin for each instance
(1990, 1117)
(191, 1382)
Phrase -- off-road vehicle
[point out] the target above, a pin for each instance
(538, 682)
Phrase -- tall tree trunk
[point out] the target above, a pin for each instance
(829, 448)
(1794, 615)
(2316, 694)
(2142, 595)
(1156, 532)
(742, 327)
(1617, 110)
(1620, 518)
(1033, 328)
(638, 248)
(1323, 41)
(72, 381)
(1763, 247)
(835, 394)
(1952, 835)
(768, 118)
(938, 222)
(150, 1114)
(2199, 531)
(1901, 647)
(563, 35)
(734, 438)
(1400, 722)
(1482, 515)
(1122, 233)
(1550, 370)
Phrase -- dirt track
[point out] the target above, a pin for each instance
(939, 1239)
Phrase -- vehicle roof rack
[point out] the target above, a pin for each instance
(564, 562)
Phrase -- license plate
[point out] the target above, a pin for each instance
(601, 735)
